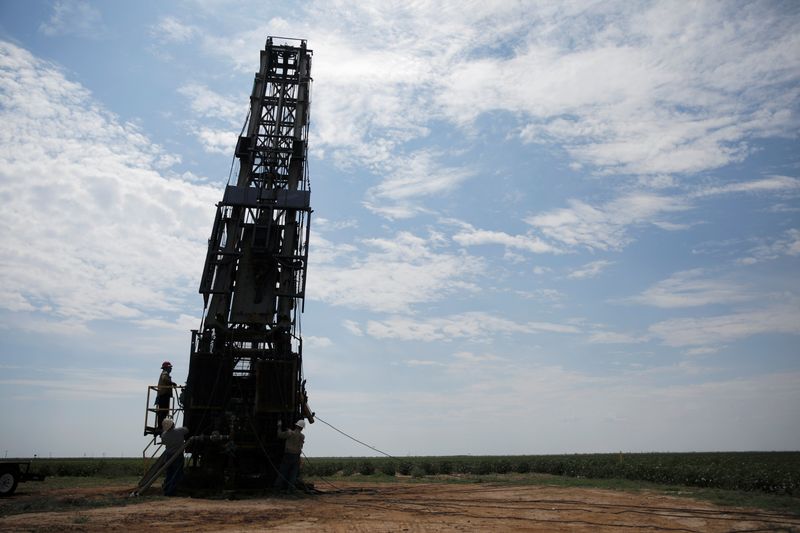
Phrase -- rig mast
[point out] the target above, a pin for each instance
(245, 371)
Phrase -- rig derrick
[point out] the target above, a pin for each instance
(245, 368)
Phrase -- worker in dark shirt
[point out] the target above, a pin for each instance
(164, 393)
(172, 438)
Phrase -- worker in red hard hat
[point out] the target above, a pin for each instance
(164, 393)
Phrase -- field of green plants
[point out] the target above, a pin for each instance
(769, 472)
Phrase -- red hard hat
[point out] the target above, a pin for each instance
(166, 364)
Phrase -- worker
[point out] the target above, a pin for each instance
(290, 464)
(163, 394)
(172, 438)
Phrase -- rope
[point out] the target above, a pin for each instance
(323, 478)
(233, 159)
(355, 439)
(266, 453)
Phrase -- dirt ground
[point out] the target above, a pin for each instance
(377, 507)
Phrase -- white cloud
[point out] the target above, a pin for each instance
(316, 343)
(171, 30)
(772, 184)
(476, 325)
(394, 211)
(422, 362)
(109, 234)
(608, 226)
(543, 295)
(75, 18)
(590, 270)
(703, 350)
(206, 103)
(417, 175)
(216, 141)
(604, 227)
(410, 178)
(787, 244)
(665, 89)
(326, 224)
(610, 337)
(460, 362)
(352, 327)
(470, 236)
(472, 358)
(652, 90)
(715, 330)
(183, 323)
(83, 383)
(692, 288)
(38, 325)
(393, 275)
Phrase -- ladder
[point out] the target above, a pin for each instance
(158, 468)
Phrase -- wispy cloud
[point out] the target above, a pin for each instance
(590, 270)
(470, 357)
(118, 233)
(773, 184)
(83, 383)
(611, 225)
(692, 288)
(723, 329)
(410, 178)
(605, 227)
(393, 275)
(209, 104)
(647, 90)
(216, 141)
(415, 176)
(182, 323)
(172, 30)
(478, 326)
(786, 244)
(543, 295)
(672, 91)
(611, 337)
(422, 362)
(352, 327)
(317, 343)
(468, 235)
(74, 17)
(459, 362)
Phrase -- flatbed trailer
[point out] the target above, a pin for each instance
(14, 472)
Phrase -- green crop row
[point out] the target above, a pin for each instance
(771, 472)
(89, 467)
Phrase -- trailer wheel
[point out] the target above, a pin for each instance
(8, 482)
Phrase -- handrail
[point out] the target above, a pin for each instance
(174, 411)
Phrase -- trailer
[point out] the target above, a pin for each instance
(14, 472)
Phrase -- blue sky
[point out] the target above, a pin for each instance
(539, 227)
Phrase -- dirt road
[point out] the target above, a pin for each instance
(411, 507)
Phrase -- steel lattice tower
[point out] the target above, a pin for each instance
(245, 371)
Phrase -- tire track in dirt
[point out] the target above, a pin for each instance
(412, 508)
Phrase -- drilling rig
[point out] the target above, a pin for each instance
(245, 368)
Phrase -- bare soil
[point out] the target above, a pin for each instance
(376, 507)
